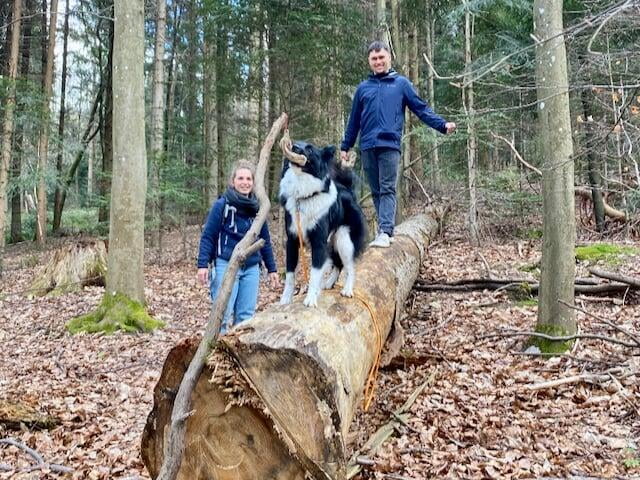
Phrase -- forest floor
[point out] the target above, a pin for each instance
(477, 417)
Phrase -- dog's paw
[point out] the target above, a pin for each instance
(347, 292)
(311, 301)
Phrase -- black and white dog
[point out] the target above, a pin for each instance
(320, 205)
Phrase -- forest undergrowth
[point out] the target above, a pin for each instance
(486, 411)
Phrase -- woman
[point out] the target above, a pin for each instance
(229, 220)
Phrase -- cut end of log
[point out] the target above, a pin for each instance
(224, 440)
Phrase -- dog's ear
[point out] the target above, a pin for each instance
(328, 153)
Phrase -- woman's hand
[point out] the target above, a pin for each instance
(203, 276)
(274, 280)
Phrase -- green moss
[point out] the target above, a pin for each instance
(632, 458)
(551, 346)
(115, 312)
(530, 268)
(521, 291)
(528, 302)
(603, 251)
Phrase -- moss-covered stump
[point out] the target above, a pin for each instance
(71, 268)
(115, 312)
(552, 346)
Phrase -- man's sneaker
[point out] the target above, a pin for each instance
(382, 241)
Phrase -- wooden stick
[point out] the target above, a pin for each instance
(584, 377)
(174, 447)
(40, 463)
(617, 277)
(564, 338)
(635, 338)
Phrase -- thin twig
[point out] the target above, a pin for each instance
(40, 463)
(635, 338)
(564, 338)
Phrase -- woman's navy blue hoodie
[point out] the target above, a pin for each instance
(224, 229)
(378, 112)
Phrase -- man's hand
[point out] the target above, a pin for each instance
(203, 276)
(451, 127)
(344, 156)
(274, 280)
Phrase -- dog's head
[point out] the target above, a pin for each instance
(318, 160)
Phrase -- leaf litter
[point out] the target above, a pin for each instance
(478, 418)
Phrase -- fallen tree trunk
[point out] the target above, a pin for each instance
(278, 397)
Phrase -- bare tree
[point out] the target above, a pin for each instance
(472, 149)
(43, 143)
(555, 315)
(7, 124)
(157, 118)
(129, 184)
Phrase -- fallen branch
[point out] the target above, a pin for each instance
(609, 211)
(398, 417)
(633, 337)
(617, 277)
(581, 286)
(40, 463)
(583, 377)
(564, 338)
(248, 245)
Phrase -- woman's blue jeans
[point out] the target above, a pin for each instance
(244, 294)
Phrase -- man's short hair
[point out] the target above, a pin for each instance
(377, 46)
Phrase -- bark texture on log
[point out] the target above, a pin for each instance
(279, 395)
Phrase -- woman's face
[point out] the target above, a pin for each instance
(243, 181)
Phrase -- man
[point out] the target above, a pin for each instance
(377, 114)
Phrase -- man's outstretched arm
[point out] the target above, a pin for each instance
(424, 112)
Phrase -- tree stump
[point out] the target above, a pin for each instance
(71, 268)
(280, 391)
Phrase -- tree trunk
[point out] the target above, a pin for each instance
(43, 143)
(211, 110)
(104, 185)
(7, 124)
(287, 385)
(57, 203)
(472, 150)
(430, 46)
(593, 165)
(16, 163)
(157, 119)
(558, 262)
(129, 184)
(382, 29)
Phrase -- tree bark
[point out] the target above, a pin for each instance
(57, 203)
(16, 162)
(558, 263)
(129, 184)
(287, 385)
(211, 109)
(472, 149)
(157, 120)
(7, 124)
(593, 166)
(43, 143)
(106, 120)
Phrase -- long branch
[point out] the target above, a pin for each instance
(174, 447)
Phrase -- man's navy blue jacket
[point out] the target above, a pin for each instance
(378, 112)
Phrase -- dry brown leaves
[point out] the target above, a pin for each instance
(476, 420)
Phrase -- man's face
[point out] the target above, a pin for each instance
(379, 61)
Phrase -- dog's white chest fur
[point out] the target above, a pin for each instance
(305, 197)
